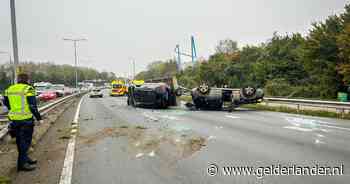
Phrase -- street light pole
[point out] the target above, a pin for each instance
(14, 37)
(75, 57)
(76, 64)
(133, 64)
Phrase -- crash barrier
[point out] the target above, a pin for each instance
(300, 104)
(43, 111)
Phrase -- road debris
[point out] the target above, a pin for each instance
(150, 117)
(139, 155)
(65, 137)
(211, 137)
(152, 154)
(174, 143)
(88, 119)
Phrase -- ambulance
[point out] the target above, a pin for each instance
(118, 88)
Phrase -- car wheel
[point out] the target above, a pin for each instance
(248, 92)
(203, 88)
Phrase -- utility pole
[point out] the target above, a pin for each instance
(133, 64)
(177, 51)
(14, 38)
(75, 57)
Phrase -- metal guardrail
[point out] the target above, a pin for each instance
(340, 107)
(43, 111)
(309, 101)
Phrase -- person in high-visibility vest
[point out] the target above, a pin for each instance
(20, 99)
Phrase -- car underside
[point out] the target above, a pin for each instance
(205, 97)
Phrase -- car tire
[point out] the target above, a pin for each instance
(203, 89)
(248, 93)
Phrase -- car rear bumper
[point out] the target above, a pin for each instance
(117, 93)
(96, 95)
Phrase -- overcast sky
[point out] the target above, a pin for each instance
(148, 30)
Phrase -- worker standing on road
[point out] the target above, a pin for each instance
(21, 102)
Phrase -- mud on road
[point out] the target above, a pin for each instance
(169, 144)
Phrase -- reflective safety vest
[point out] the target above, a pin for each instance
(19, 107)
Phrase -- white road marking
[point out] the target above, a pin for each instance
(232, 117)
(298, 128)
(67, 170)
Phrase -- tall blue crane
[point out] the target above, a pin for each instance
(193, 54)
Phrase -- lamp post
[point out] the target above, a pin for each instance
(75, 57)
(14, 38)
(133, 67)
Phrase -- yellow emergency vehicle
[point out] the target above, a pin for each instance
(118, 88)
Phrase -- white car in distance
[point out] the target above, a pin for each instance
(96, 93)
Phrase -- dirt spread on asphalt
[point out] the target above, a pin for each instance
(144, 142)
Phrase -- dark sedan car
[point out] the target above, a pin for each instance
(156, 95)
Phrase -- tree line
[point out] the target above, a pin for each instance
(313, 66)
(50, 72)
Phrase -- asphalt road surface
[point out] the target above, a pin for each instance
(121, 144)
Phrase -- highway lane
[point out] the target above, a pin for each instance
(178, 145)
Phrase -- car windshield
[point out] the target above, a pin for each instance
(41, 88)
(117, 86)
(153, 85)
(58, 87)
(96, 90)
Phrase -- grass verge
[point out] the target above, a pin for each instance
(5, 180)
(319, 113)
(186, 98)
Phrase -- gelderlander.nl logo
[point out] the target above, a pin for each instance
(276, 170)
